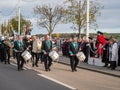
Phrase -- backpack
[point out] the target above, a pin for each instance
(39, 45)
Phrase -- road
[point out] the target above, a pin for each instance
(41, 80)
(11, 79)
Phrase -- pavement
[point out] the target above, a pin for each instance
(99, 69)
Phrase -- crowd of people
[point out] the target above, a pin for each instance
(17, 45)
(100, 47)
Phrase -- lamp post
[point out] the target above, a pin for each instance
(87, 29)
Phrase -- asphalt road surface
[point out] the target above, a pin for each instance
(11, 79)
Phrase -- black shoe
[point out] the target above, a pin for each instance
(49, 69)
(72, 70)
(22, 69)
(46, 70)
(112, 68)
(36, 65)
(19, 69)
(75, 70)
(32, 65)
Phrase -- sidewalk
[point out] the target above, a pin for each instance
(99, 69)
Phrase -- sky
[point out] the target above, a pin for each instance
(107, 22)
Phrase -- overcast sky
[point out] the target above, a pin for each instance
(109, 21)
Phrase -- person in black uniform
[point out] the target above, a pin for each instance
(73, 50)
(2, 57)
(92, 47)
(19, 48)
(84, 47)
(7, 46)
(105, 57)
(46, 48)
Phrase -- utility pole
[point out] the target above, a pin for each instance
(19, 18)
(79, 35)
(87, 29)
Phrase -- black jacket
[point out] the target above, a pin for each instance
(72, 49)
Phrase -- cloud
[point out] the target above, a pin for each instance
(109, 20)
(110, 15)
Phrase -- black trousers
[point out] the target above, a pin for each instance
(2, 54)
(41, 57)
(47, 62)
(20, 60)
(113, 64)
(7, 56)
(73, 62)
(14, 54)
(36, 55)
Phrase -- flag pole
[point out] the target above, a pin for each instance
(19, 18)
(87, 29)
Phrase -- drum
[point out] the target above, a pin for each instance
(26, 55)
(80, 56)
(54, 55)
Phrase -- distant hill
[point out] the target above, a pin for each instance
(68, 35)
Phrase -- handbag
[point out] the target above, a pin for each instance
(81, 56)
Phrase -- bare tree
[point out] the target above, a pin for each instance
(76, 14)
(50, 16)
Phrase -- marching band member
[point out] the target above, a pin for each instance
(7, 47)
(73, 50)
(46, 48)
(36, 49)
(19, 48)
(105, 57)
(2, 57)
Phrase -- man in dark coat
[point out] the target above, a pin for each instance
(73, 49)
(46, 48)
(19, 49)
(105, 57)
(92, 47)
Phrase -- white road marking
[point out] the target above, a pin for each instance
(49, 78)
(13, 64)
(56, 81)
(16, 65)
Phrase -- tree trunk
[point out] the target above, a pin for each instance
(79, 32)
(50, 33)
